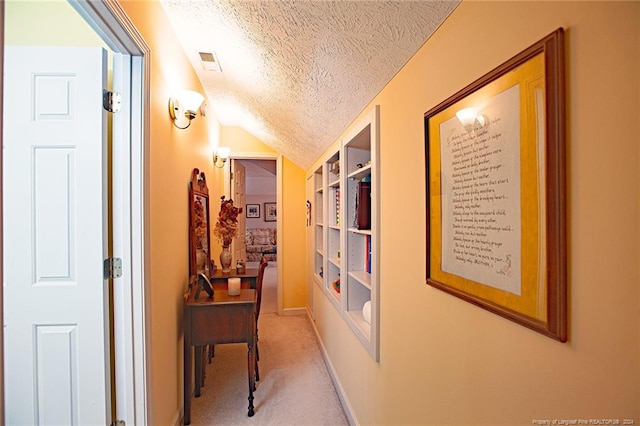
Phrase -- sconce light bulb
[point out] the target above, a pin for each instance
(467, 116)
(220, 156)
(183, 107)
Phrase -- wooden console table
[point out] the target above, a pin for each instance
(217, 320)
(247, 280)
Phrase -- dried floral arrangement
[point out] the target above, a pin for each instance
(227, 225)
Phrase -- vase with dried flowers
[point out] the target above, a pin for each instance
(226, 229)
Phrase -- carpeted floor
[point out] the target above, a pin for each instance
(294, 387)
(269, 289)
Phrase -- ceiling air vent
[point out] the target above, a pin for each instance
(209, 61)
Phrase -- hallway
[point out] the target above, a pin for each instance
(294, 387)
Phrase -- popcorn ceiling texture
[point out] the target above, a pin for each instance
(295, 74)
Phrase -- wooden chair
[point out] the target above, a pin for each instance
(210, 352)
(262, 267)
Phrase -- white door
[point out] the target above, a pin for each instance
(55, 297)
(239, 200)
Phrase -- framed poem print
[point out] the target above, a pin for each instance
(270, 212)
(253, 211)
(495, 179)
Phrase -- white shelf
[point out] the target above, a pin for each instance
(360, 173)
(360, 324)
(360, 231)
(334, 294)
(362, 277)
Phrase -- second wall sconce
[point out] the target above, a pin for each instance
(183, 107)
(220, 156)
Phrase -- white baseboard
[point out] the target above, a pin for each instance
(294, 311)
(346, 406)
(178, 419)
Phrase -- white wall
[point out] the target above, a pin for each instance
(259, 191)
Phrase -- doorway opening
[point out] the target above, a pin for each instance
(255, 186)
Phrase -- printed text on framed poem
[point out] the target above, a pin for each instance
(495, 178)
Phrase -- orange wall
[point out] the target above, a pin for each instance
(173, 153)
(445, 361)
(293, 218)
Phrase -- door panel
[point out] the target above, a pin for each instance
(239, 188)
(55, 297)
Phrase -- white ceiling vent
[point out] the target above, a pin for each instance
(209, 61)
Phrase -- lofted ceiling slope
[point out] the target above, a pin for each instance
(295, 74)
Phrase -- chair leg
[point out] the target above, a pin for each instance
(256, 364)
(257, 357)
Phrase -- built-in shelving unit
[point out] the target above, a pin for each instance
(334, 210)
(318, 225)
(346, 224)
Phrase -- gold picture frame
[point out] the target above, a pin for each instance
(495, 178)
(270, 212)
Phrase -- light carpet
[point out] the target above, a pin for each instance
(294, 387)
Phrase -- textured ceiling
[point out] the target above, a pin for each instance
(295, 74)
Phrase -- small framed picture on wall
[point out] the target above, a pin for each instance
(253, 211)
(270, 212)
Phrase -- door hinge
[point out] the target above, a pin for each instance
(111, 101)
(112, 268)
(118, 423)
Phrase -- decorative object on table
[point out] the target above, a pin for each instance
(199, 245)
(308, 213)
(253, 211)
(225, 259)
(203, 284)
(226, 229)
(496, 153)
(270, 212)
(233, 286)
(240, 268)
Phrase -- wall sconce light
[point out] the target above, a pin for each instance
(471, 120)
(183, 107)
(220, 156)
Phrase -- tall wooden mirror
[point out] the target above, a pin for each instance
(199, 245)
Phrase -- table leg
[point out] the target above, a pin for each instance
(187, 381)
(252, 383)
(197, 353)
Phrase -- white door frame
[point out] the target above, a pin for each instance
(130, 206)
(279, 224)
